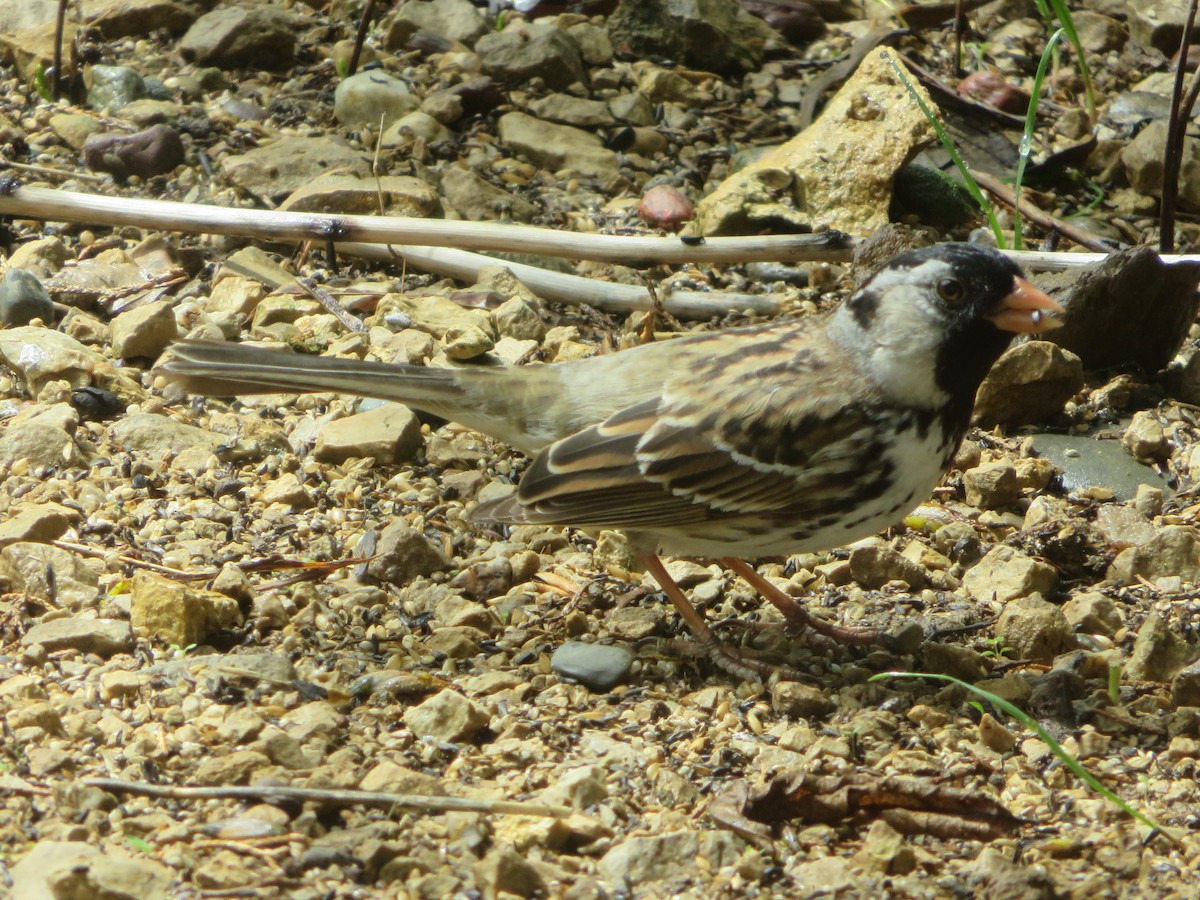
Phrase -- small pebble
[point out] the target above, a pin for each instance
(23, 298)
(596, 666)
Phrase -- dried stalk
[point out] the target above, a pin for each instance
(560, 287)
(335, 799)
(92, 209)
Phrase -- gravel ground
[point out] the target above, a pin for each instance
(285, 593)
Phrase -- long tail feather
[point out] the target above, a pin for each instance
(227, 370)
(515, 404)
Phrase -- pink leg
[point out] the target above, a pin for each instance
(725, 657)
(798, 618)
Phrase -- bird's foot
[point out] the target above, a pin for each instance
(858, 635)
(799, 619)
(726, 658)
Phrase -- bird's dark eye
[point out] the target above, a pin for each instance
(951, 290)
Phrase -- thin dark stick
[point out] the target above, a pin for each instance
(1189, 100)
(960, 26)
(60, 25)
(328, 301)
(360, 38)
(331, 255)
(1173, 152)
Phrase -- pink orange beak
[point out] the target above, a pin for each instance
(1026, 310)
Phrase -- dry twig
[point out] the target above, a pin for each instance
(334, 799)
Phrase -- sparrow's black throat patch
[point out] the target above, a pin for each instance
(973, 343)
(962, 363)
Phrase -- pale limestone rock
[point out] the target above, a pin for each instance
(835, 174)
(178, 613)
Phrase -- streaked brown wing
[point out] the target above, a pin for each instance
(743, 460)
(593, 478)
(670, 462)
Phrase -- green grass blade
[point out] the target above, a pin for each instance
(1050, 10)
(953, 151)
(1068, 25)
(1029, 722)
(1027, 134)
(1099, 195)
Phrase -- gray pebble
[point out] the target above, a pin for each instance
(596, 666)
(23, 299)
(114, 87)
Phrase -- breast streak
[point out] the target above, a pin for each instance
(916, 461)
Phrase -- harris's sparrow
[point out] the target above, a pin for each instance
(758, 441)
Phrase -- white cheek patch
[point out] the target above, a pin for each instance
(908, 377)
(902, 342)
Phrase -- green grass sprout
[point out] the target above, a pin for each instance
(138, 843)
(1099, 195)
(1027, 135)
(1050, 10)
(1056, 748)
(41, 83)
(1114, 683)
(948, 144)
